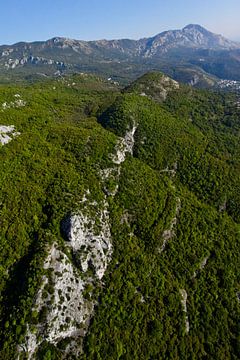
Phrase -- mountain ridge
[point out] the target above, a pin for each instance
(188, 27)
(192, 47)
(119, 221)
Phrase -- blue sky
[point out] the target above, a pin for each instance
(97, 19)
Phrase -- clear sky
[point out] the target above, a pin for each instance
(29, 20)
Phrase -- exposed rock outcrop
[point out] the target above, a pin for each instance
(64, 302)
(7, 133)
(183, 294)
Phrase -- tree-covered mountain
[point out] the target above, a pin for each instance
(120, 221)
(192, 55)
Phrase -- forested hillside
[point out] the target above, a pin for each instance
(120, 224)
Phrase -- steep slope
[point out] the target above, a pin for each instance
(161, 289)
(50, 177)
(120, 221)
(155, 86)
(191, 36)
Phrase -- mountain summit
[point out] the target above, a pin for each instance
(125, 58)
(210, 40)
(192, 36)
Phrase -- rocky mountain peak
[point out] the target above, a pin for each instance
(205, 38)
(192, 36)
(195, 27)
(154, 85)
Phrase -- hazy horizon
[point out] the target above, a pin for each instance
(29, 21)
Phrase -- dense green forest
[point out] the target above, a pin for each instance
(171, 289)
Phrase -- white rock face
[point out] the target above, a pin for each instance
(67, 311)
(13, 104)
(172, 172)
(7, 52)
(7, 133)
(124, 146)
(170, 233)
(93, 248)
(63, 293)
(203, 263)
(62, 296)
(201, 266)
(18, 62)
(183, 294)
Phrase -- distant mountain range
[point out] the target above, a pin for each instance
(192, 55)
